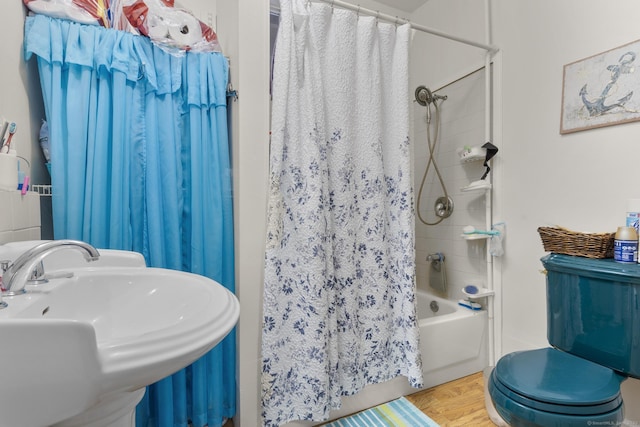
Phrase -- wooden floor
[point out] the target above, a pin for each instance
(456, 403)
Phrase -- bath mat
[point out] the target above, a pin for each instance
(397, 413)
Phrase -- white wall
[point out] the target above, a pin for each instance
(20, 95)
(572, 180)
(244, 33)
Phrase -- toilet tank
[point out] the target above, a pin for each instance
(593, 310)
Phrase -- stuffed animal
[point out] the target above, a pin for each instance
(170, 26)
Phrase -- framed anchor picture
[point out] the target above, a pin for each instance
(602, 90)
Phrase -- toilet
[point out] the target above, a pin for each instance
(593, 327)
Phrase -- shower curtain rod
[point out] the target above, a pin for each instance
(488, 47)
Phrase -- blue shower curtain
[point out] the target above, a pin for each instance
(140, 161)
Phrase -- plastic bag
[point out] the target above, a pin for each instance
(92, 12)
(496, 247)
(170, 27)
(43, 139)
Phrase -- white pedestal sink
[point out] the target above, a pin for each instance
(78, 351)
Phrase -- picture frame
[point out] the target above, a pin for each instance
(601, 90)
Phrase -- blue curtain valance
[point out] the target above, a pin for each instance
(106, 50)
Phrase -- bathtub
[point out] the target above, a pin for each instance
(453, 344)
(453, 340)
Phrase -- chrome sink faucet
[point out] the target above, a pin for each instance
(17, 274)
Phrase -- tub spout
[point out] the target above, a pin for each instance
(17, 274)
(437, 275)
(436, 260)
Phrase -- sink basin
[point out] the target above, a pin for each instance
(75, 343)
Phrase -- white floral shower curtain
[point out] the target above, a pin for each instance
(339, 296)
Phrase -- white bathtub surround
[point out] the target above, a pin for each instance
(463, 115)
(339, 301)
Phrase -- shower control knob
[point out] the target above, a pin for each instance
(443, 207)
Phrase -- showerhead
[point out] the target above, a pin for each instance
(424, 96)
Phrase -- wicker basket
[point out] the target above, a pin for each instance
(590, 245)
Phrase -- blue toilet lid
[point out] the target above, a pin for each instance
(552, 378)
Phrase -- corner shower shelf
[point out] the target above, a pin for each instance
(472, 154)
(475, 236)
(482, 292)
(477, 186)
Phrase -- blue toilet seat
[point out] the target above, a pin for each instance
(550, 387)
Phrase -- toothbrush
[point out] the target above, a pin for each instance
(25, 185)
(12, 130)
(3, 128)
(470, 229)
(469, 304)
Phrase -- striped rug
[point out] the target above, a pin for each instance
(397, 413)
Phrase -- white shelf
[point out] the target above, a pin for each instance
(475, 186)
(472, 158)
(472, 154)
(475, 236)
(482, 292)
